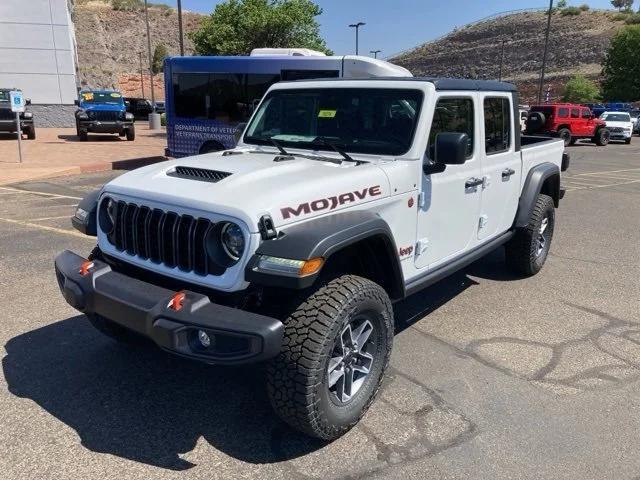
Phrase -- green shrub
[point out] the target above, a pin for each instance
(620, 16)
(570, 11)
(633, 19)
(126, 5)
(584, 7)
(163, 120)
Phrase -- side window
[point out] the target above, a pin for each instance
(452, 115)
(563, 112)
(575, 113)
(497, 125)
(586, 113)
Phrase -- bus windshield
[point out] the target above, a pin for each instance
(358, 120)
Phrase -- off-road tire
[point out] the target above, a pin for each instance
(84, 136)
(31, 133)
(297, 378)
(131, 134)
(565, 135)
(123, 133)
(602, 137)
(521, 251)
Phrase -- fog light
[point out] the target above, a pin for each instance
(205, 340)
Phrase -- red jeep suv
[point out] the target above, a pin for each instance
(567, 121)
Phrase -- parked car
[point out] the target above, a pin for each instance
(596, 108)
(8, 121)
(635, 119)
(160, 107)
(619, 124)
(567, 121)
(139, 107)
(291, 247)
(103, 111)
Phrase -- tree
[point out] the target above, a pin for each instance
(621, 67)
(580, 90)
(159, 54)
(238, 26)
(622, 4)
(561, 4)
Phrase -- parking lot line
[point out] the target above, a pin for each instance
(611, 171)
(52, 195)
(42, 219)
(44, 227)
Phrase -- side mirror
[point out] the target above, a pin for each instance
(27, 101)
(451, 148)
(76, 102)
(239, 130)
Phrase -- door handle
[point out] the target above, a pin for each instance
(473, 182)
(507, 172)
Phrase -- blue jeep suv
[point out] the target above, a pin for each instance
(103, 111)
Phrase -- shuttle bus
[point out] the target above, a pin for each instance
(209, 99)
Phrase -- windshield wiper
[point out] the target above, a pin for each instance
(333, 146)
(279, 146)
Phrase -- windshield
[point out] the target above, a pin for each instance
(4, 95)
(357, 120)
(110, 98)
(617, 117)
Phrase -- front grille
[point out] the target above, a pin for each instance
(163, 237)
(103, 116)
(616, 129)
(7, 114)
(201, 174)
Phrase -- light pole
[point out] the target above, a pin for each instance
(546, 48)
(501, 61)
(357, 27)
(375, 53)
(146, 19)
(141, 74)
(180, 28)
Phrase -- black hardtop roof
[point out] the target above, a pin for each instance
(439, 83)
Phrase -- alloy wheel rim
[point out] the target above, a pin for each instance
(351, 360)
(541, 242)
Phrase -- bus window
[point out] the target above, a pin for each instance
(257, 86)
(189, 92)
(224, 97)
(308, 74)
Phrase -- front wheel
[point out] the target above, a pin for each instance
(602, 137)
(31, 133)
(131, 134)
(335, 350)
(627, 141)
(527, 251)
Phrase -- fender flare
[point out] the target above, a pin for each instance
(89, 224)
(531, 189)
(324, 237)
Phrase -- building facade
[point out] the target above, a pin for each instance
(38, 55)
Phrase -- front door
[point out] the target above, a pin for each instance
(448, 213)
(501, 167)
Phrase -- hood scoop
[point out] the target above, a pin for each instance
(202, 174)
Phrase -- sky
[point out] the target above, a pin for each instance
(396, 25)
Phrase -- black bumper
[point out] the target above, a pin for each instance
(10, 125)
(95, 126)
(237, 336)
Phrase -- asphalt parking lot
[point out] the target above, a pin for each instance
(491, 377)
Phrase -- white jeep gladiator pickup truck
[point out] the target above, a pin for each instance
(342, 197)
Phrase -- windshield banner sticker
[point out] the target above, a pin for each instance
(327, 113)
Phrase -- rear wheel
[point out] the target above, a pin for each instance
(602, 137)
(336, 348)
(565, 135)
(527, 251)
(31, 133)
(84, 136)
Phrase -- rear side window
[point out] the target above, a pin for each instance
(497, 125)
(586, 113)
(575, 113)
(563, 112)
(452, 115)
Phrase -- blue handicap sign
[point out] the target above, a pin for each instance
(17, 101)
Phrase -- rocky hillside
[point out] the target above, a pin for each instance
(577, 45)
(109, 41)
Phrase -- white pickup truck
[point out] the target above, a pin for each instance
(342, 197)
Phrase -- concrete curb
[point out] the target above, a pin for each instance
(128, 164)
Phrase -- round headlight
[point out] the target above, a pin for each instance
(107, 215)
(232, 240)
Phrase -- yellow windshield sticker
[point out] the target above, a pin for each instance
(87, 96)
(327, 114)
(116, 95)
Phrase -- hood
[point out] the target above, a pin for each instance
(611, 123)
(103, 107)
(253, 185)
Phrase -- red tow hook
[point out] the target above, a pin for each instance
(177, 301)
(85, 267)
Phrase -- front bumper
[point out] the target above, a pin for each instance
(237, 336)
(620, 135)
(96, 126)
(10, 125)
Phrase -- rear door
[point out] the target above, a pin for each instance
(501, 166)
(578, 125)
